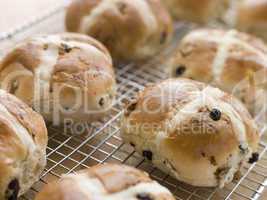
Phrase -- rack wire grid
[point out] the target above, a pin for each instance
(101, 142)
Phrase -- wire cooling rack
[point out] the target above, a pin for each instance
(100, 142)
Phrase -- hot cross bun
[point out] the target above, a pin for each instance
(66, 76)
(231, 60)
(195, 132)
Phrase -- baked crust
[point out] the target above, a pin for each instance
(61, 76)
(197, 133)
(252, 17)
(131, 30)
(23, 141)
(208, 12)
(105, 182)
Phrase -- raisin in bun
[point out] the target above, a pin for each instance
(23, 141)
(61, 76)
(131, 30)
(233, 61)
(106, 182)
(195, 132)
(252, 17)
(209, 11)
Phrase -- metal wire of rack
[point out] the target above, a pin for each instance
(101, 142)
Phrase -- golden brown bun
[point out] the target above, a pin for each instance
(197, 133)
(105, 182)
(131, 30)
(233, 61)
(23, 141)
(252, 17)
(206, 11)
(61, 76)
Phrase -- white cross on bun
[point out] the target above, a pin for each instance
(23, 141)
(131, 30)
(106, 182)
(61, 76)
(195, 132)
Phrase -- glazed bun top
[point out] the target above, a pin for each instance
(231, 60)
(59, 58)
(56, 70)
(176, 101)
